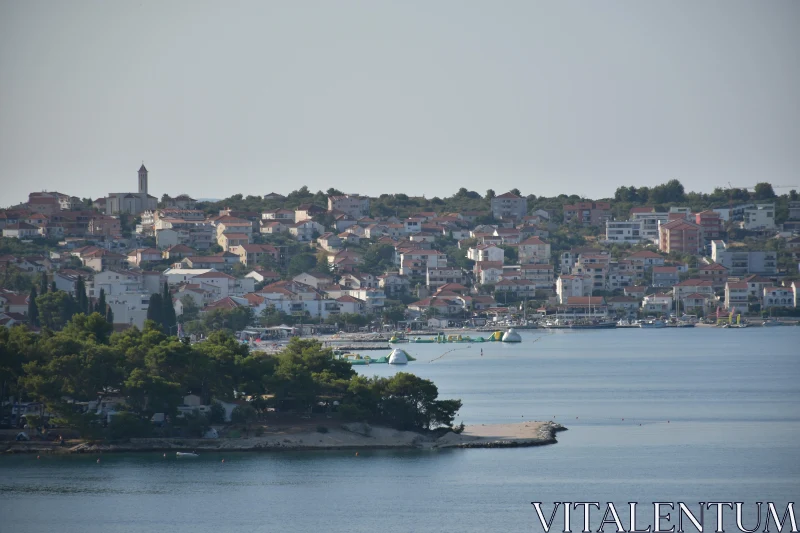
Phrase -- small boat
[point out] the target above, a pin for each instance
(652, 324)
(186, 454)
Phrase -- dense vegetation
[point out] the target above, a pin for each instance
(153, 372)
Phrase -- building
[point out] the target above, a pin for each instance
(777, 297)
(587, 213)
(659, 303)
(486, 252)
(437, 277)
(665, 276)
(21, 230)
(692, 286)
(680, 236)
(568, 285)
(132, 203)
(509, 205)
(622, 231)
(742, 262)
(351, 204)
(714, 272)
(711, 224)
(759, 217)
(533, 250)
(650, 221)
(736, 295)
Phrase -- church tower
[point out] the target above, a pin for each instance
(142, 180)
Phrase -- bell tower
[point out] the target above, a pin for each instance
(142, 180)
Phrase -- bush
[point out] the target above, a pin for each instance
(217, 414)
(458, 429)
(322, 429)
(128, 425)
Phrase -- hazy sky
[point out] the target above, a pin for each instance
(421, 97)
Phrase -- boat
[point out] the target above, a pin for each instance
(652, 324)
(596, 324)
(770, 323)
(684, 324)
(187, 455)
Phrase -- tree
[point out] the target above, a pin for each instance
(55, 309)
(81, 299)
(190, 309)
(301, 263)
(516, 191)
(43, 284)
(763, 191)
(489, 194)
(109, 315)
(33, 311)
(155, 311)
(170, 320)
(101, 305)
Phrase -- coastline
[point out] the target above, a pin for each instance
(354, 436)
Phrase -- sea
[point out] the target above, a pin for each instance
(653, 415)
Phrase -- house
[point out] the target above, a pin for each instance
(305, 230)
(263, 276)
(623, 305)
(777, 297)
(272, 227)
(692, 286)
(637, 290)
(534, 250)
(230, 240)
(665, 276)
(21, 230)
(437, 277)
(285, 216)
(274, 196)
(317, 281)
(680, 236)
(756, 285)
(142, 255)
(489, 272)
(509, 205)
(351, 204)
(646, 259)
(308, 211)
(103, 260)
(696, 302)
(659, 303)
(584, 306)
(587, 213)
(252, 254)
(486, 252)
(517, 288)
(182, 201)
(329, 242)
(540, 274)
(393, 284)
(13, 302)
(177, 252)
(569, 285)
(349, 304)
(736, 295)
(714, 272)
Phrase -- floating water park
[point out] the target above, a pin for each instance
(441, 338)
(395, 357)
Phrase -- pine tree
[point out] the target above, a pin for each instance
(43, 284)
(53, 286)
(109, 315)
(169, 317)
(101, 305)
(80, 296)
(155, 311)
(33, 310)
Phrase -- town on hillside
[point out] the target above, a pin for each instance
(309, 262)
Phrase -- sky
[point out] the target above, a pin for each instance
(370, 97)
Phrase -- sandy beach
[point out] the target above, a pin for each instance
(346, 436)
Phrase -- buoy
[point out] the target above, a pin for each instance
(623, 420)
(165, 456)
(356, 454)
(223, 460)
(98, 461)
(667, 421)
(38, 457)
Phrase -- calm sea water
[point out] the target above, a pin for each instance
(653, 415)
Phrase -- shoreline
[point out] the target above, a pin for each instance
(353, 436)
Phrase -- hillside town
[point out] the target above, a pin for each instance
(331, 261)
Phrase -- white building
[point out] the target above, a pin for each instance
(509, 205)
(622, 231)
(486, 252)
(352, 204)
(759, 217)
(569, 285)
(132, 203)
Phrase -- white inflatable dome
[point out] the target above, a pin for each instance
(398, 357)
(512, 336)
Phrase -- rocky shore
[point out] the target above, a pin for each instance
(354, 436)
